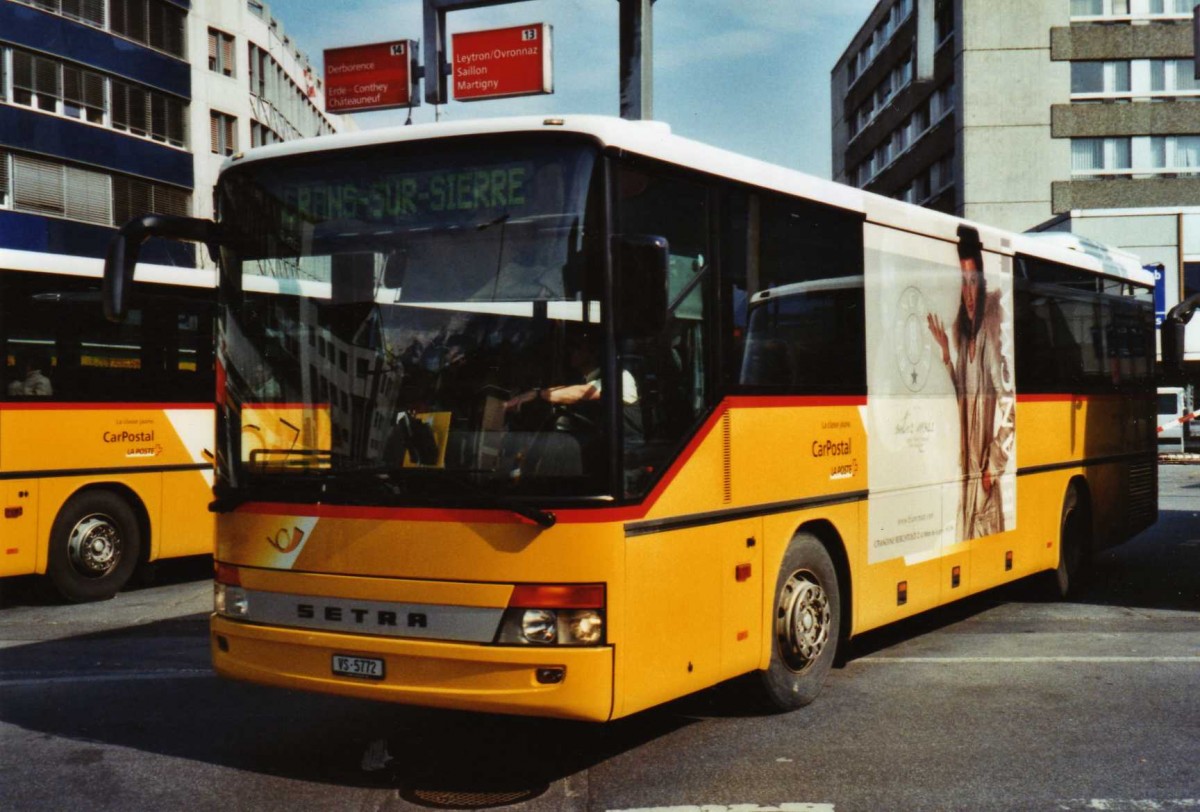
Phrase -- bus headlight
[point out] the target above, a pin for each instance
(587, 627)
(230, 601)
(539, 626)
(547, 615)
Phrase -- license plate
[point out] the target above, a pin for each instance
(361, 667)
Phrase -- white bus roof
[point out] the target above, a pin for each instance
(71, 265)
(654, 139)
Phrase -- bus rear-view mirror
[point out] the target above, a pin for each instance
(1171, 336)
(122, 257)
(642, 293)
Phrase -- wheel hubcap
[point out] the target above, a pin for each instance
(94, 546)
(802, 620)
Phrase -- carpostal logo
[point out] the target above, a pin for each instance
(286, 542)
(140, 443)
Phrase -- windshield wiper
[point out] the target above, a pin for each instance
(358, 485)
(542, 518)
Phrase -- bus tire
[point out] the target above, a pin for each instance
(1072, 543)
(805, 626)
(94, 546)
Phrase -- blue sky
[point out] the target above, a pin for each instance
(747, 75)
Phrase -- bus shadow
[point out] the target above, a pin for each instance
(150, 688)
(1158, 569)
(36, 591)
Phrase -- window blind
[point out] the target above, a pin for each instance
(37, 185)
(88, 196)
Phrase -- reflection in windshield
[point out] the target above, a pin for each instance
(398, 316)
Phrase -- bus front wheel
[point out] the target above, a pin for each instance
(806, 625)
(94, 546)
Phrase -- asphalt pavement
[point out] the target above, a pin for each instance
(1004, 701)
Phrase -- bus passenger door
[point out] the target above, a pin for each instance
(672, 645)
(677, 563)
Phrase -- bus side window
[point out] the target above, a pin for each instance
(31, 320)
(739, 271)
(807, 334)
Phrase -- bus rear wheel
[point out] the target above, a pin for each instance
(94, 547)
(806, 626)
(1073, 543)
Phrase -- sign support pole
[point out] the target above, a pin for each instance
(637, 59)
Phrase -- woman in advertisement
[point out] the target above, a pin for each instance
(981, 375)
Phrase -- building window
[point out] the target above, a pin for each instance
(151, 22)
(37, 81)
(1096, 156)
(149, 113)
(944, 20)
(1128, 10)
(941, 103)
(41, 186)
(54, 87)
(133, 197)
(85, 11)
(220, 52)
(5, 175)
(941, 174)
(223, 131)
(261, 135)
(45, 187)
(883, 33)
(1100, 77)
(37, 186)
(1169, 75)
(130, 108)
(896, 80)
(1087, 8)
(83, 94)
(1175, 154)
(1173, 7)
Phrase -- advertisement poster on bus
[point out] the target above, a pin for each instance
(941, 413)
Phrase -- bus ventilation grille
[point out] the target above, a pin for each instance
(1143, 495)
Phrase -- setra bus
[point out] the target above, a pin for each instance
(106, 430)
(572, 416)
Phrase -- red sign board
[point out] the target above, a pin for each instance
(369, 77)
(502, 62)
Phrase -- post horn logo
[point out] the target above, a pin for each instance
(285, 542)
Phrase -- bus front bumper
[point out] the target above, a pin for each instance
(489, 679)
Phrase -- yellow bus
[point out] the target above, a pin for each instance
(106, 430)
(571, 417)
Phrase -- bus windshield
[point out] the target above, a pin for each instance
(394, 318)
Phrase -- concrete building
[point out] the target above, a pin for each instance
(1066, 115)
(114, 108)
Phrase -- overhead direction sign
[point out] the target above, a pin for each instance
(379, 76)
(502, 62)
